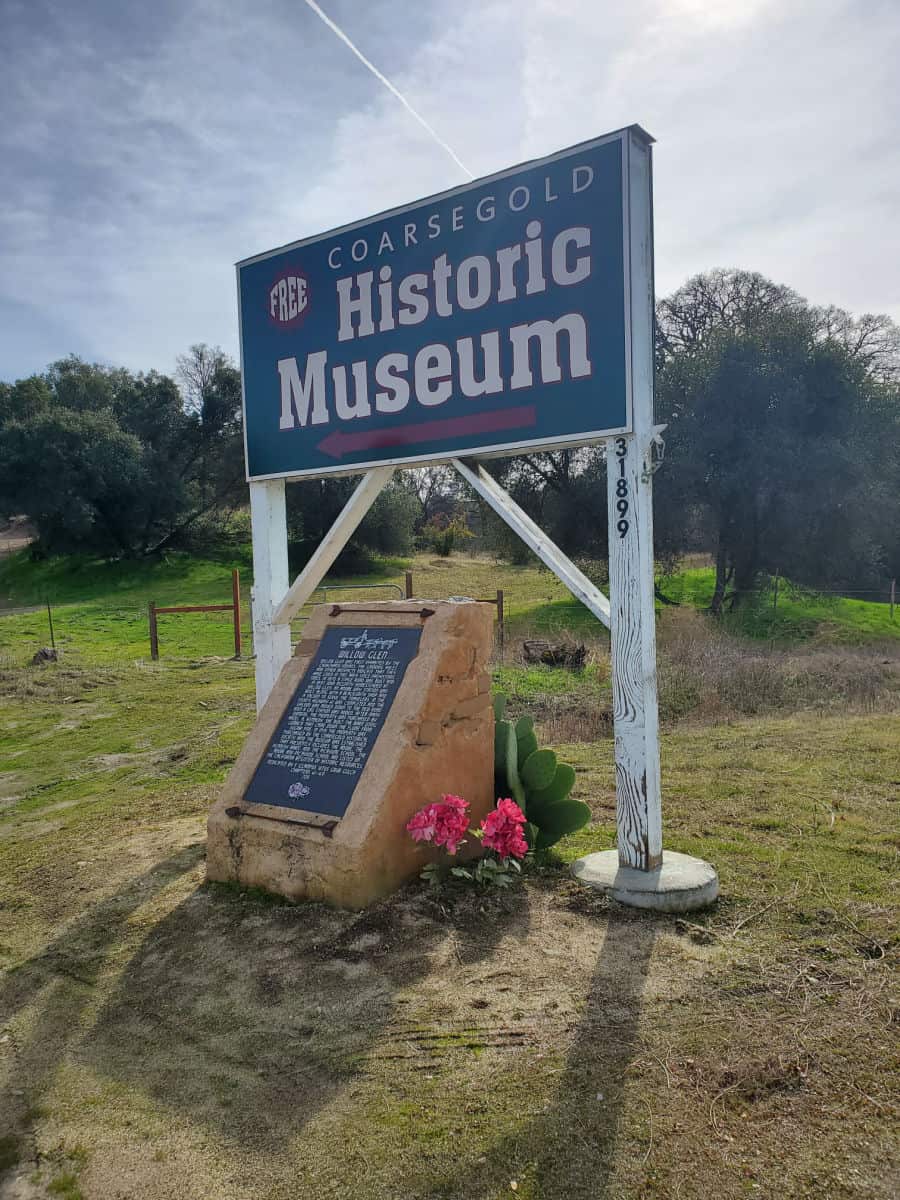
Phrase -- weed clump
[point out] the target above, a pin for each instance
(706, 673)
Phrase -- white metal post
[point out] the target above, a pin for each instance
(633, 654)
(271, 642)
(631, 588)
(639, 872)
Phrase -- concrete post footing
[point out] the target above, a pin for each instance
(681, 884)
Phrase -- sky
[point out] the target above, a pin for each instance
(147, 147)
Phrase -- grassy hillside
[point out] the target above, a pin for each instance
(796, 613)
(81, 579)
(100, 608)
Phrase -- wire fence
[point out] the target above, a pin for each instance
(97, 632)
(116, 633)
(884, 592)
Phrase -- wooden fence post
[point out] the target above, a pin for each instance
(409, 585)
(500, 630)
(154, 634)
(236, 598)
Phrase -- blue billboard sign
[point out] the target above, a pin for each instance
(489, 319)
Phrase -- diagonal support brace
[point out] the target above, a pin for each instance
(534, 537)
(365, 495)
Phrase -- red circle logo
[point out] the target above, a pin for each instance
(288, 298)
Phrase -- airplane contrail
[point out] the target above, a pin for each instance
(336, 29)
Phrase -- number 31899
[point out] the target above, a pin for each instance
(622, 505)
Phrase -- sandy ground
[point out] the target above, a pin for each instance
(190, 1044)
(164, 1039)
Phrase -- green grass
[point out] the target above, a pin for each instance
(556, 617)
(186, 1032)
(65, 1185)
(78, 579)
(798, 615)
(9, 1152)
(100, 608)
(534, 683)
(169, 1027)
(775, 803)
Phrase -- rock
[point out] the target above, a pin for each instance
(562, 654)
(437, 737)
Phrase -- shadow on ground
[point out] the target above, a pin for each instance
(568, 1153)
(58, 984)
(249, 1015)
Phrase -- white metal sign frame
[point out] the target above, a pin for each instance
(629, 610)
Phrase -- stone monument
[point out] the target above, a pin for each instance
(382, 708)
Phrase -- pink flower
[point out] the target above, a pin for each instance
(445, 824)
(422, 825)
(502, 829)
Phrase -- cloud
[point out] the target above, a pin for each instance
(146, 148)
(772, 127)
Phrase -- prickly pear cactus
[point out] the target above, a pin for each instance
(536, 780)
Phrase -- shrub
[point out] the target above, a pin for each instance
(444, 534)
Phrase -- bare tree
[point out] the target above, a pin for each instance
(736, 301)
(196, 372)
(729, 300)
(873, 339)
(435, 488)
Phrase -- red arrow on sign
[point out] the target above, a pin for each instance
(338, 443)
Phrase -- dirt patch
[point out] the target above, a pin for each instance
(206, 1041)
(33, 829)
(236, 1021)
(16, 534)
